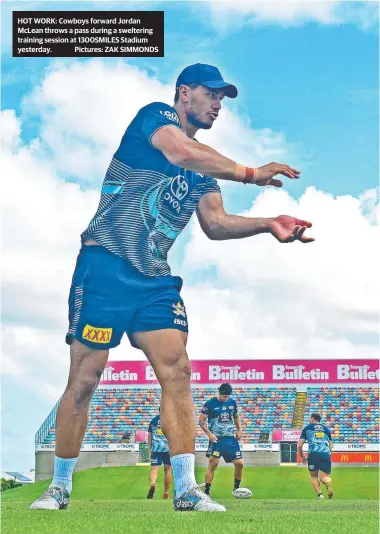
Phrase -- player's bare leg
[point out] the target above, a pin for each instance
(153, 475)
(238, 474)
(86, 368)
(315, 483)
(152, 480)
(166, 351)
(167, 480)
(212, 465)
(325, 478)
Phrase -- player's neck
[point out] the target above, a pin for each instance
(189, 129)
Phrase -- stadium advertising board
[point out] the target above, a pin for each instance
(244, 372)
(351, 447)
(274, 447)
(351, 458)
(247, 447)
(96, 447)
(286, 435)
(344, 448)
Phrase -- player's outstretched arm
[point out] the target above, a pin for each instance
(185, 152)
(219, 225)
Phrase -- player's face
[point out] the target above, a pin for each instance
(223, 398)
(203, 107)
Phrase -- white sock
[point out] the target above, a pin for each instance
(63, 472)
(183, 466)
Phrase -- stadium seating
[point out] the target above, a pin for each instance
(260, 409)
(112, 411)
(351, 413)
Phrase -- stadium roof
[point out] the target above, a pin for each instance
(19, 476)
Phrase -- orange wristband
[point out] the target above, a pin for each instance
(249, 175)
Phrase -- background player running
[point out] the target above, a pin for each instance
(159, 454)
(318, 437)
(158, 177)
(223, 428)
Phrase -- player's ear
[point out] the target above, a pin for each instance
(184, 93)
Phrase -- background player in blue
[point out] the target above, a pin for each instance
(223, 428)
(318, 437)
(159, 176)
(159, 454)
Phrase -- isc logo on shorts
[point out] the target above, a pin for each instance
(97, 335)
(180, 321)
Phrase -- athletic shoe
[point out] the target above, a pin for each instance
(166, 496)
(330, 493)
(151, 492)
(195, 500)
(320, 496)
(54, 498)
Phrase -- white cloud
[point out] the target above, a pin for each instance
(269, 300)
(43, 221)
(286, 13)
(84, 108)
(42, 224)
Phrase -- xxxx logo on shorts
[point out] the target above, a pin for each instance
(97, 335)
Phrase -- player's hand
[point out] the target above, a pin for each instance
(212, 438)
(239, 434)
(304, 460)
(264, 175)
(288, 229)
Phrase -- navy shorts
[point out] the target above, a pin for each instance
(319, 462)
(159, 458)
(226, 447)
(109, 297)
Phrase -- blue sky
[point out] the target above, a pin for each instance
(318, 84)
(311, 79)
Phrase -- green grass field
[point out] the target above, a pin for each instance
(113, 501)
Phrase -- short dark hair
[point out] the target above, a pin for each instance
(316, 417)
(225, 389)
(191, 85)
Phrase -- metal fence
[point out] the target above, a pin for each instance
(43, 431)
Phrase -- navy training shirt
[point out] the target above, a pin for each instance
(221, 416)
(159, 441)
(318, 437)
(146, 201)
